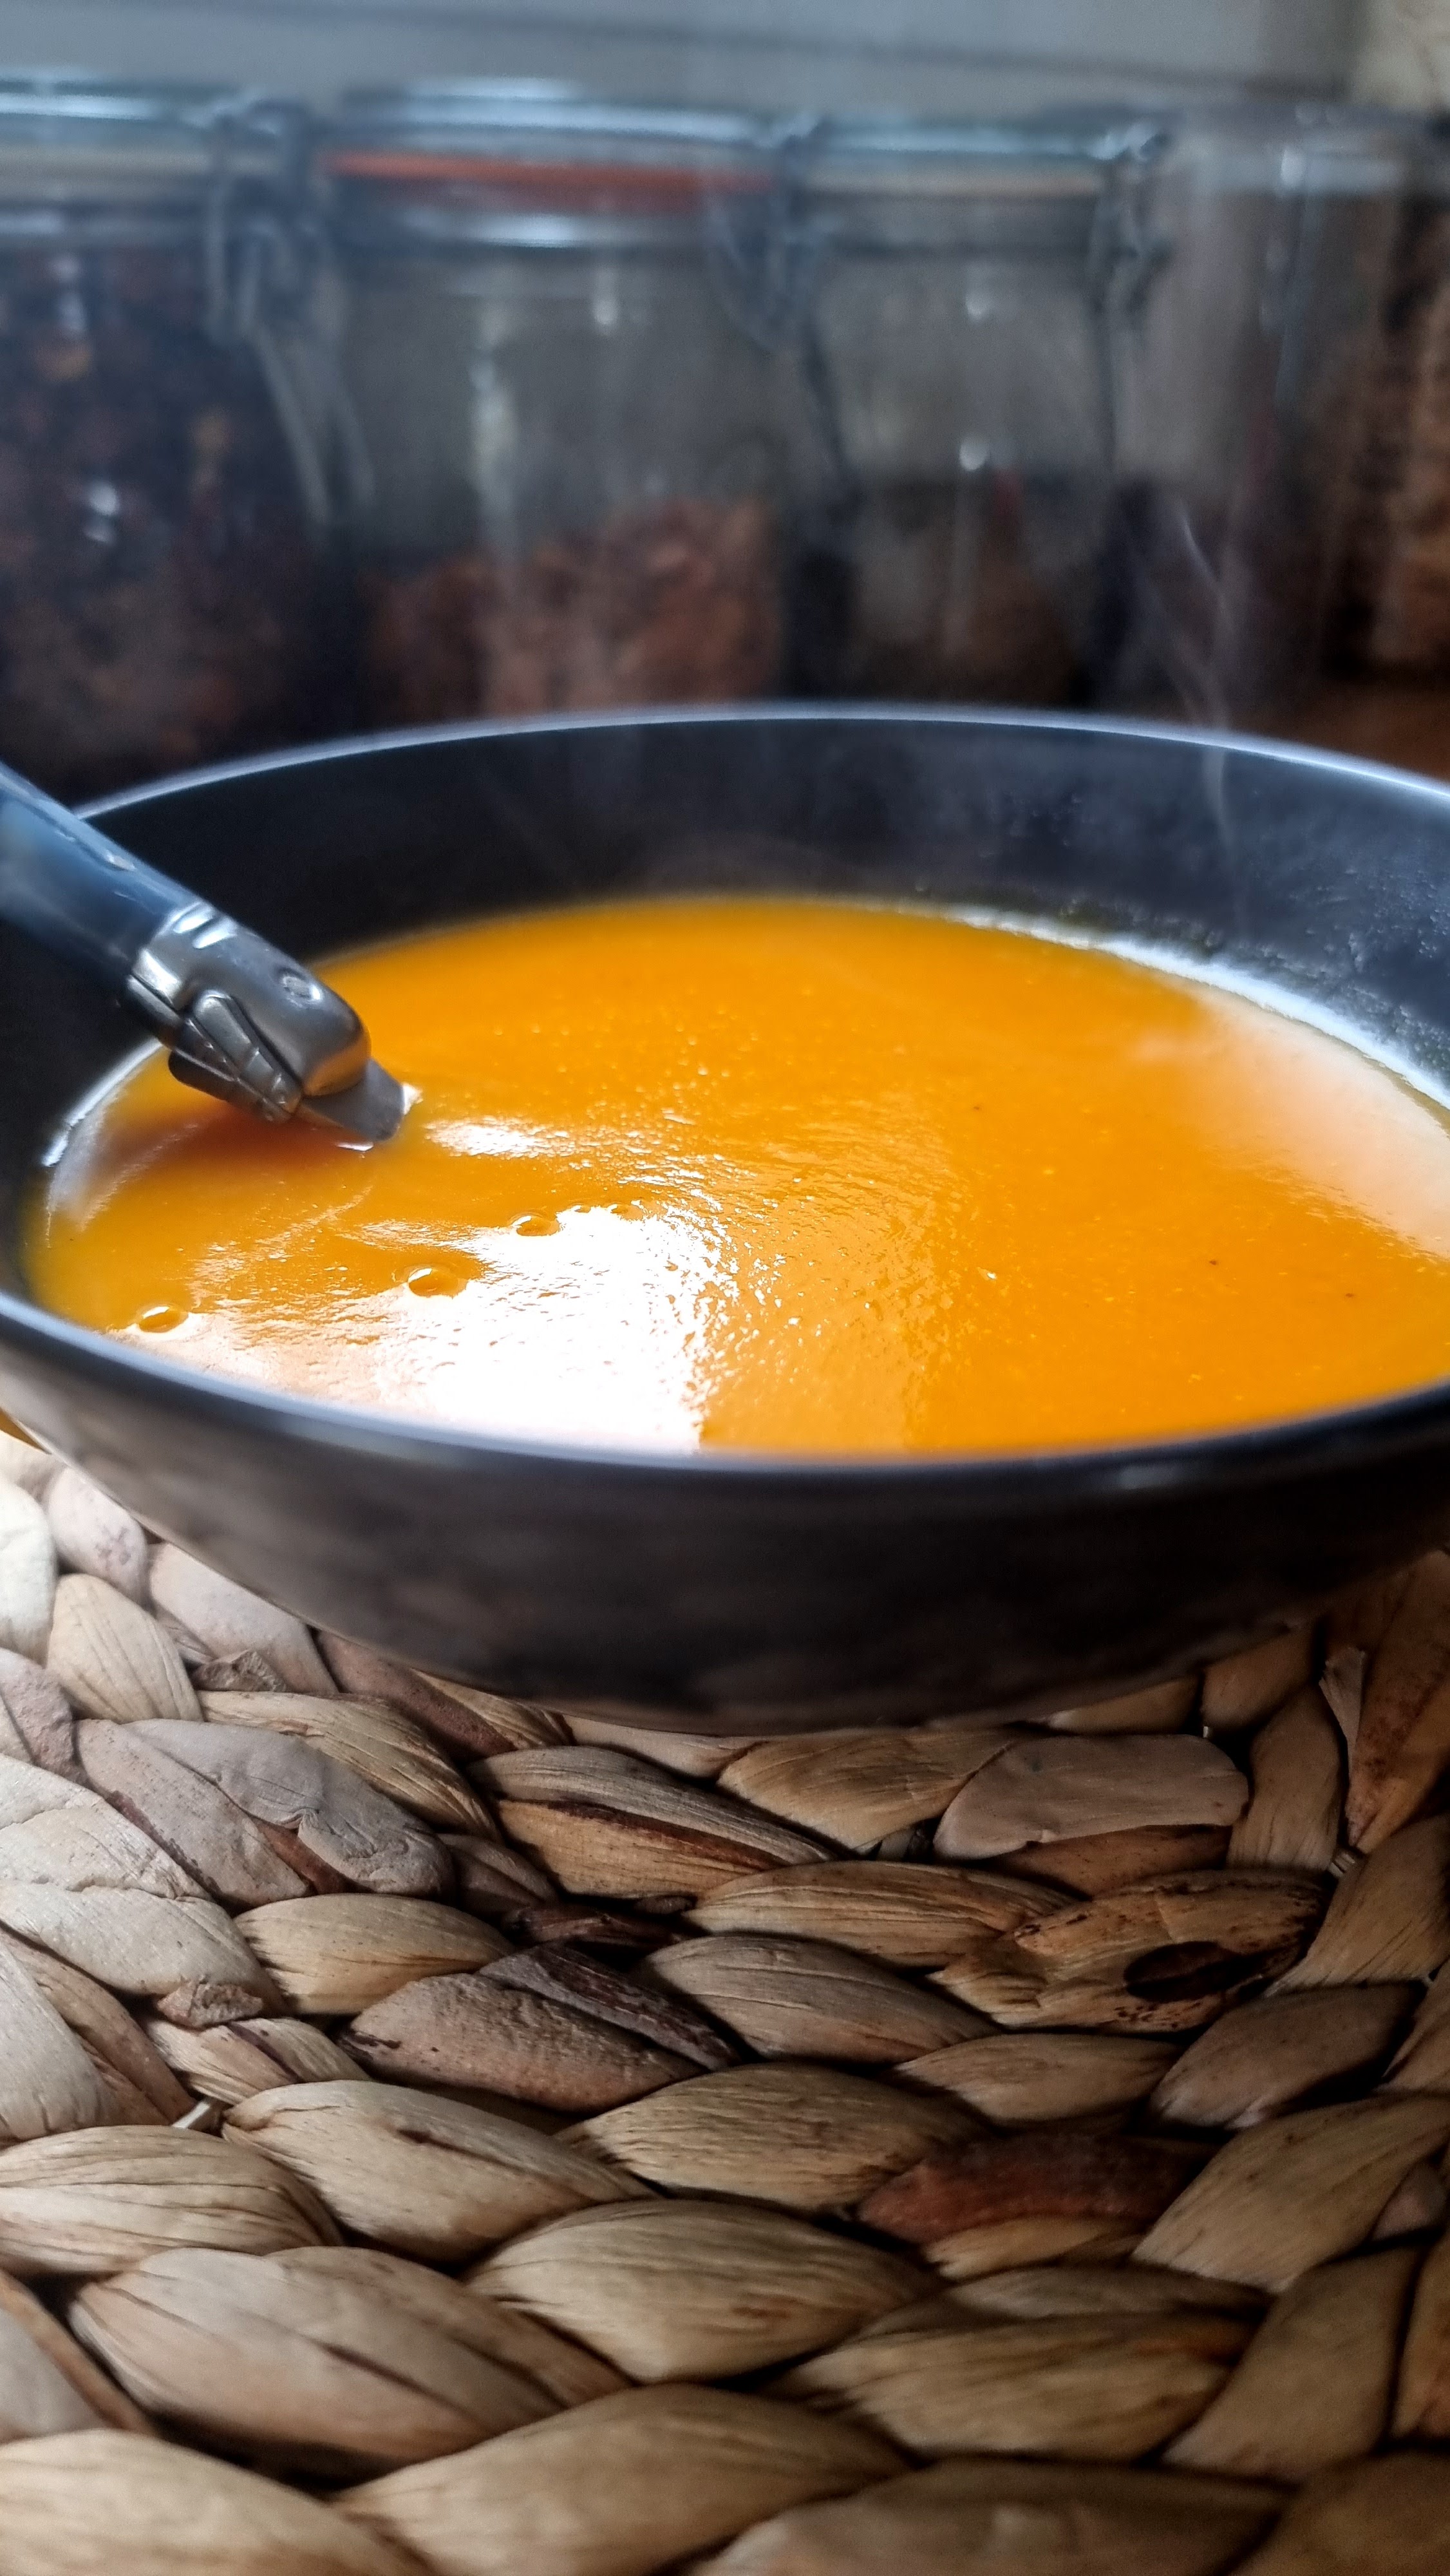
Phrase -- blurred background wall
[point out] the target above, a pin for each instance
(952, 56)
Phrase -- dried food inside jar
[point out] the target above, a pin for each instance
(944, 589)
(674, 602)
(162, 601)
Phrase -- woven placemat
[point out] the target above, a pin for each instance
(442, 2135)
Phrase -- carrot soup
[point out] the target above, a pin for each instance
(785, 1174)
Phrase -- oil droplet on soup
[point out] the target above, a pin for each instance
(785, 1174)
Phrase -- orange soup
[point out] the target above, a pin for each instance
(785, 1174)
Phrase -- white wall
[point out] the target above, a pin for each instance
(962, 56)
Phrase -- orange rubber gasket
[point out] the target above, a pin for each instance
(544, 181)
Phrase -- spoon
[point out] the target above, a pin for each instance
(241, 1020)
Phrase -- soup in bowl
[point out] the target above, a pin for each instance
(786, 1175)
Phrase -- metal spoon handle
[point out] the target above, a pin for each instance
(70, 888)
(242, 1020)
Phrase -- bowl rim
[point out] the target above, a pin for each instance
(1260, 1452)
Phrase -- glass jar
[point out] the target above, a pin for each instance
(162, 574)
(1394, 612)
(1244, 388)
(957, 307)
(567, 400)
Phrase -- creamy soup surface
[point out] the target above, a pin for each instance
(789, 1175)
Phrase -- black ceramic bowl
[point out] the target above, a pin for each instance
(743, 1592)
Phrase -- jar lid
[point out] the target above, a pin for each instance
(529, 162)
(67, 138)
(896, 155)
(1303, 149)
(892, 183)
